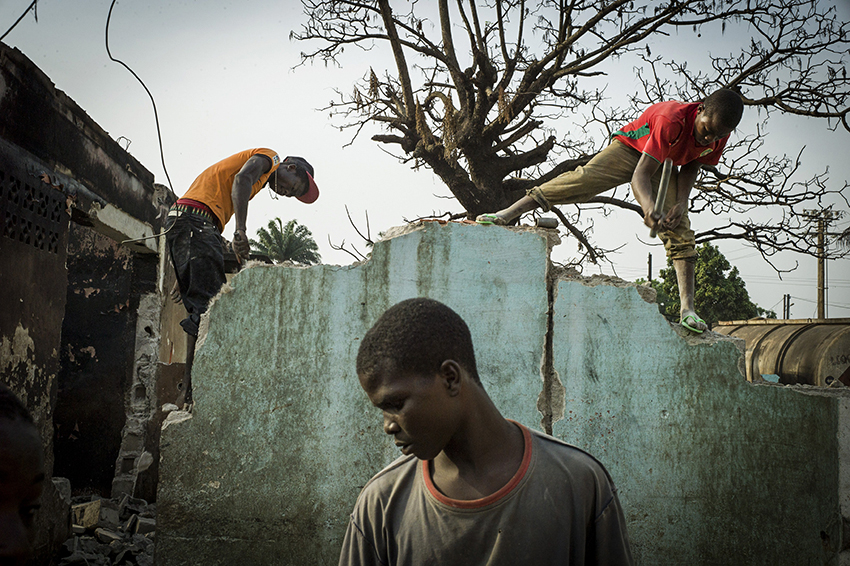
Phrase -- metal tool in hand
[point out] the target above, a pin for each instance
(666, 171)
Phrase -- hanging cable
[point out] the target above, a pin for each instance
(153, 102)
(32, 7)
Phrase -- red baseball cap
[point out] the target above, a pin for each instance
(313, 191)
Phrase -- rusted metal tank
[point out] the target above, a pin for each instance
(810, 351)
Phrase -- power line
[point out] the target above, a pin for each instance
(153, 102)
(815, 302)
(30, 7)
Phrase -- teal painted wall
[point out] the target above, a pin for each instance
(711, 469)
(281, 439)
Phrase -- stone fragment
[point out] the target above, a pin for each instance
(86, 515)
(144, 461)
(175, 417)
(84, 558)
(116, 547)
(145, 525)
(129, 524)
(63, 487)
(129, 543)
(92, 545)
(106, 536)
(109, 515)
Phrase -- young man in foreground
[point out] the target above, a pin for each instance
(472, 487)
(691, 135)
(21, 479)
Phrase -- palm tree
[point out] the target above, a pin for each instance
(293, 242)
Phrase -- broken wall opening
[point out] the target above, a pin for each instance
(95, 384)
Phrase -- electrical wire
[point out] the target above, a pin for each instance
(30, 7)
(153, 102)
(833, 305)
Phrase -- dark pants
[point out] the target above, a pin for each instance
(197, 253)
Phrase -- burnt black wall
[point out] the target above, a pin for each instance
(105, 281)
(33, 232)
(41, 119)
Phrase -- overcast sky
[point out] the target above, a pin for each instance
(222, 75)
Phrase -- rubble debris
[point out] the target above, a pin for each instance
(106, 537)
(110, 532)
(86, 515)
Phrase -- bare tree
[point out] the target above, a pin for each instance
(478, 87)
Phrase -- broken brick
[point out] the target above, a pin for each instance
(86, 515)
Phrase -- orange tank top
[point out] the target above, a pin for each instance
(214, 186)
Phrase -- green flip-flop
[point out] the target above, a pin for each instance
(694, 320)
(487, 219)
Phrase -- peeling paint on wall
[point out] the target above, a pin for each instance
(16, 352)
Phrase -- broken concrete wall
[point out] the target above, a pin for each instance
(267, 467)
(709, 466)
(282, 438)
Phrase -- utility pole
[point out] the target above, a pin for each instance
(823, 217)
(786, 306)
(649, 266)
(821, 274)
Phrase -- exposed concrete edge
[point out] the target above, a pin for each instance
(118, 225)
(176, 417)
(646, 292)
(551, 402)
(552, 236)
(649, 295)
(839, 392)
(205, 318)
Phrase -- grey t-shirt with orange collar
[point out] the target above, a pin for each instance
(561, 507)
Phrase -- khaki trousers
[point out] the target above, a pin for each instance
(611, 167)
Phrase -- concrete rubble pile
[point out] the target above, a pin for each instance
(110, 532)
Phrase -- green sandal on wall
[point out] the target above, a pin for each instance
(693, 320)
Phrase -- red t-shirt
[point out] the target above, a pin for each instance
(666, 130)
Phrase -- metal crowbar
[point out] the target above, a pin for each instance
(666, 171)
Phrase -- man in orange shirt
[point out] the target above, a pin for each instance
(195, 223)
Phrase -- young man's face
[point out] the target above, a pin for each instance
(21, 481)
(418, 409)
(287, 183)
(708, 128)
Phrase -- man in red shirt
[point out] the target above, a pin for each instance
(195, 222)
(691, 135)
